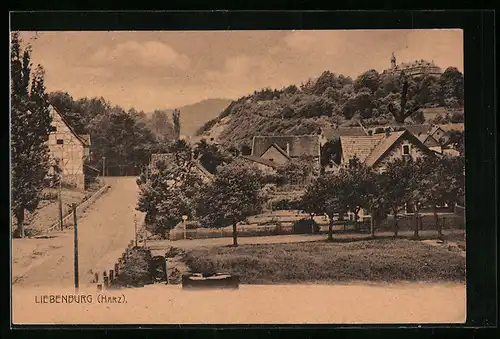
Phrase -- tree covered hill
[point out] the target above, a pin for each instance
(331, 100)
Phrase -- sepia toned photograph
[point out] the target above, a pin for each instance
(237, 177)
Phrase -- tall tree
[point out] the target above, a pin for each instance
(369, 79)
(161, 126)
(296, 172)
(234, 194)
(30, 121)
(407, 106)
(168, 193)
(394, 187)
(322, 197)
(176, 119)
(376, 202)
(212, 156)
(443, 183)
(331, 151)
(452, 87)
(354, 187)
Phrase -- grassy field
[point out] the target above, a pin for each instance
(382, 260)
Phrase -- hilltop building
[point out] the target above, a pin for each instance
(414, 68)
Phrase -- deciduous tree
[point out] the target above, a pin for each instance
(322, 197)
(167, 192)
(234, 193)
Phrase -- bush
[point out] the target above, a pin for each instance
(137, 270)
(173, 252)
(191, 225)
(303, 226)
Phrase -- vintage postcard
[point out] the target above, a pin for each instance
(238, 177)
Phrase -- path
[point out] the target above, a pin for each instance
(160, 246)
(104, 231)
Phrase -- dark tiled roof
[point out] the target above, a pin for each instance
(428, 140)
(418, 130)
(259, 160)
(299, 145)
(335, 133)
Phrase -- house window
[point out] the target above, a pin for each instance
(60, 141)
(406, 149)
(52, 129)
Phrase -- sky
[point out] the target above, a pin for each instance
(169, 69)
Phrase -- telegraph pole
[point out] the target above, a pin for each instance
(103, 166)
(184, 218)
(60, 202)
(76, 246)
(135, 229)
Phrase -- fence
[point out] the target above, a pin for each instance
(108, 278)
(428, 222)
(243, 231)
(68, 219)
(284, 225)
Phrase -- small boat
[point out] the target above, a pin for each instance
(216, 280)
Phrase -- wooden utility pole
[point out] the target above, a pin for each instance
(135, 229)
(76, 246)
(103, 166)
(60, 202)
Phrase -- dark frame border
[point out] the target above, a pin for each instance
(479, 70)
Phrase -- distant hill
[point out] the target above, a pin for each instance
(330, 100)
(195, 115)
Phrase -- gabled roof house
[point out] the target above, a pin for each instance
(378, 149)
(68, 150)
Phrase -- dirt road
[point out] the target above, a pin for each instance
(103, 231)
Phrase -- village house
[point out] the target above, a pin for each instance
(267, 167)
(167, 158)
(68, 151)
(269, 152)
(328, 134)
(379, 149)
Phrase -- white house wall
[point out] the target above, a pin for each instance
(276, 156)
(70, 153)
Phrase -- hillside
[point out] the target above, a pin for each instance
(332, 100)
(195, 115)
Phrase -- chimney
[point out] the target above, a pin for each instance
(387, 131)
(288, 148)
